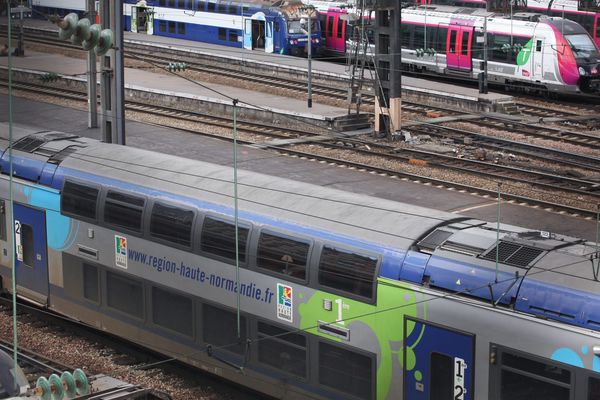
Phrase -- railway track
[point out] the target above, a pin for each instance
(262, 136)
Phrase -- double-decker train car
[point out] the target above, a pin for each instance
(274, 27)
(310, 293)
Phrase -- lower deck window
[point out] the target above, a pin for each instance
(345, 370)
(91, 285)
(171, 27)
(282, 349)
(172, 311)
(124, 294)
(594, 389)
(181, 28)
(222, 34)
(220, 329)
(233, 36)
(162, 26)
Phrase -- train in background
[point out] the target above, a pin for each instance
(569, 9)
(528, 52)
(337, 296)
(280, 27)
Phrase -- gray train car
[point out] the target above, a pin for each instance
(330, 294)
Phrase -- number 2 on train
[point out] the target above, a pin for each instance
(459, 378)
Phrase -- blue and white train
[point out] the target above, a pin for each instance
(280, 27)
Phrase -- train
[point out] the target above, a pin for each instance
(291, 289)
(528, 52)
(571, 9)
(280, 27)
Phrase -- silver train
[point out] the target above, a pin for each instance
(337, 295)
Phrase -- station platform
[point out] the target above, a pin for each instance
(46, 116)
(416, 90)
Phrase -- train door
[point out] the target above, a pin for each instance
(32, 252)
(458, 47)
(142, 20)
(340, 34)
(269, 36)
(254, 32)
(438, 362)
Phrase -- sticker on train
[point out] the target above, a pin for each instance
(285, 302)
(459, 378)
(121, 251)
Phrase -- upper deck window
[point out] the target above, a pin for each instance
(124, 210)
(283, 255)
(347, 271)
(172, 224)
(79, 200)
(218, 238)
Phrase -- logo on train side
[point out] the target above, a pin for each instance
(121, 251)
(285, 302)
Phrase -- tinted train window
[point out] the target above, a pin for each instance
(28, 245)
(339, 27)
(464, 47)
(79, 200)
(211, 7)
(162, 26)
(172, 224)
(345, 370)
(348, 272)
(453, 42)
(440, 44)
(220, 329)
(329, 30)
(233, 9)
(222, 8)
(233, 36)
(282, 255)
(222, 34)
(171, 3)
(124, 210)
(172, 311)
(124, 294)
(162, 3)
(524, 377)
(418, 38)
(181, 4)
(171, 27)
(91, 284)
(442, 377)
(284, 351)
(594, 389)
(2, 220)
(218, 238)
(181, 28)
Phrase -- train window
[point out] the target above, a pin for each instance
(340, 28)
(282, 255)
(440, 43)
(181, 4)
(384, 44)
(222, 34)
(345, 370)
(523, 375)
(464, 46)
(181, 28)
(218, 238)
(453, 42)
(28, 245)
(384, 17)
(418, 38)
(79, 200)
(233, 9)
(2, 220)
(162, 3)
(171, 25)
(220, 329)
(329, 28)
(124, 294)
(282, 349)
(277, 27)
(346, 271)
(201, 6)
(442, 377)
(538, 45)
(172, 224)
(210, 7)
(124, 210)
(91, 283)
(162, 26)
(172, 3)
(477, 45)
(222, 8)
(405, 32)
(233, 36)
(594, 389)
(172, 311)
